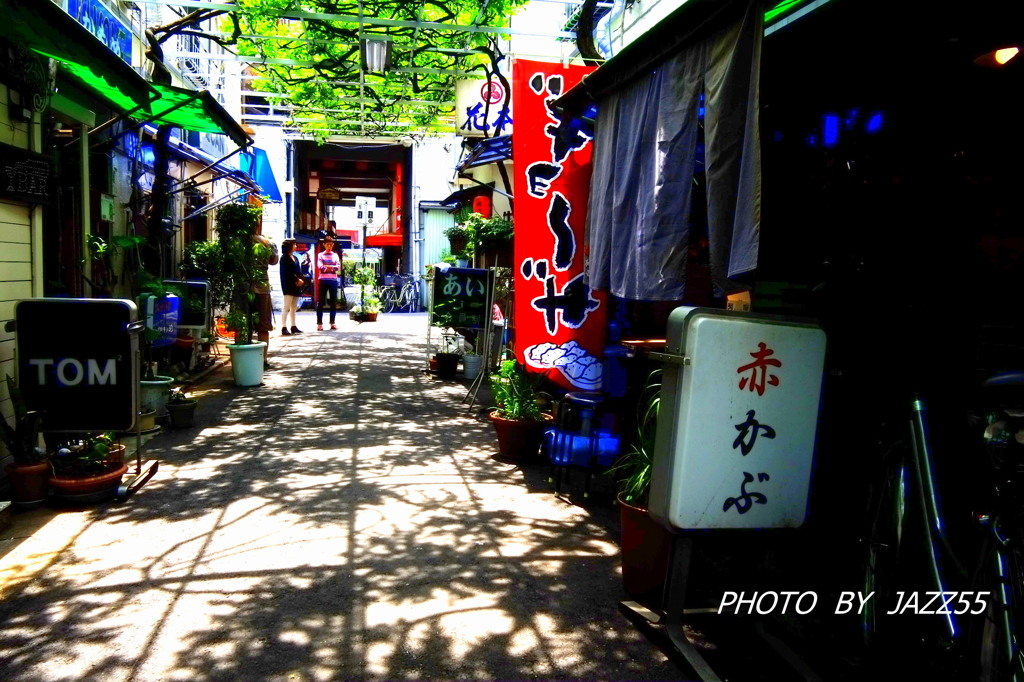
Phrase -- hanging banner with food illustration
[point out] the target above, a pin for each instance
(560, 322)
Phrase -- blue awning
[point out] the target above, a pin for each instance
(257, 166)
(488, 150)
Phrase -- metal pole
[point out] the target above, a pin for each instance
(485, 368)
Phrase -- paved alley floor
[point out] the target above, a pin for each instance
(346, 520)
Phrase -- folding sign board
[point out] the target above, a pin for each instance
(78, 362)
(737, 422)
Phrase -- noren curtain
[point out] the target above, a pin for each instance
(645, 155)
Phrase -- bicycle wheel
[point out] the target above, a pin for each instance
(995, 639)
(883, 544)
(408, 303)
(387, 299)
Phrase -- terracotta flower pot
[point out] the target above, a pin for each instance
(646, 550)
(519, 438)
(28, 483)
(115, 456)
(97, 484)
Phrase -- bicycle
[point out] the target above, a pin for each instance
(394, 298)
(973, 632)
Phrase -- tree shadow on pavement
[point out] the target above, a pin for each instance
(343, 521)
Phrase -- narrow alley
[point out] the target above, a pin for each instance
(346, 520)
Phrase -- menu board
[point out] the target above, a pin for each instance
(460, 298)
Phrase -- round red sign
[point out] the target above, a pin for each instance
(492, 92)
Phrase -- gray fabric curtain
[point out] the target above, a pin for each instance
(645, 147)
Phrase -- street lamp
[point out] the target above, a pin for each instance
(376, 55)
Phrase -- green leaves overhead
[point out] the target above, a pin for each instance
(312, 56)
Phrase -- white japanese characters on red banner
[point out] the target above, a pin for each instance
(737, 425)
(560, 322)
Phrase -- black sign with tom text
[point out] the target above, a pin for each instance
(84, 380)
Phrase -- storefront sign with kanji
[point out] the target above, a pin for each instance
(738, 420)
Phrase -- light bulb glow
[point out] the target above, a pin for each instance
(1006, 54)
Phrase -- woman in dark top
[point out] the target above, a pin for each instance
(291, 285)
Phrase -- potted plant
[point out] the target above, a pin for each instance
(147, 420)
(459, 238)
(153, 393)
(87, 469)
(369, 302)
(244, 267)
(646, 546)
(181, 408)
(490, 238)
(471, 363)
(518, 419)
(449, 353)
(371, 307)
(29, 471)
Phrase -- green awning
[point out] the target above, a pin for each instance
(119, 96)
(198, 111)
(50, 31)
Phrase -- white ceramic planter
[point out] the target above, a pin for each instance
(471, 365)
(247, 363)
(153, 394)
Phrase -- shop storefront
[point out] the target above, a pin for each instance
(91, 119)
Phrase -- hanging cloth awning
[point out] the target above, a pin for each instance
(50, 31)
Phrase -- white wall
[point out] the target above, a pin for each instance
(433, 167)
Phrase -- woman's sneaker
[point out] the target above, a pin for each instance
(296, 330)
(285, 332)
(319, 327)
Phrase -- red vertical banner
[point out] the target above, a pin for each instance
(560, 323)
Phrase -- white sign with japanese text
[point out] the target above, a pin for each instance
(482, 108)
(737, 422)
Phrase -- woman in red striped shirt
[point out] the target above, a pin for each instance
(328, 267)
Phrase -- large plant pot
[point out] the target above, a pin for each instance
(28, 483)
(646, 550)
(153, 394)
(519, 439)
(447, 365)
(182, 414)
(247, 363)
(471, 365)
(88, 488)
